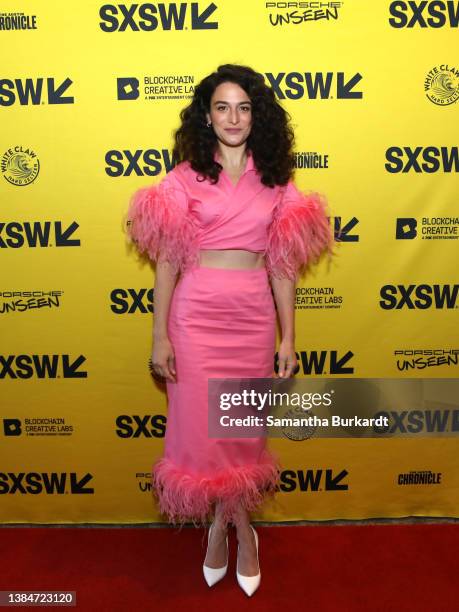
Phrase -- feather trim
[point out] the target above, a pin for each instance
(297, 235)
(184, 496)
(159, 224)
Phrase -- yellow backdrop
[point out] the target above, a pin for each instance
(89, 97)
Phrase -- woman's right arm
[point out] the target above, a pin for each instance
(163, 353)
(161, 227)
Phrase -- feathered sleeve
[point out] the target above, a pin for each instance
(160, 225)
(298, 233)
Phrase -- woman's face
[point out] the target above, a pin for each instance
(230, 114)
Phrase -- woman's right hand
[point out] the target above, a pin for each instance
(163, 359)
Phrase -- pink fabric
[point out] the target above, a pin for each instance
(160, 225)
(221, 325)
(221, 322)
(298, 234)
(182, 215)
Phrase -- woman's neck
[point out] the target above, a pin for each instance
(232, 158)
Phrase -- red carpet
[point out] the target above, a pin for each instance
(351, 568)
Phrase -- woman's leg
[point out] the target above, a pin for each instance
(216, 552)
(248, 565)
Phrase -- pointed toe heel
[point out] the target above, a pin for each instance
(249, 584)
(212, 574)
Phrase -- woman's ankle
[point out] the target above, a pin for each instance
(244, 532)
(219, 526)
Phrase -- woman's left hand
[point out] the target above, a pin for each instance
(287, 360)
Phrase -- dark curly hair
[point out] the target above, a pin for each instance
(271, 138)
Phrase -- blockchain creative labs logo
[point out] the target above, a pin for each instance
(431, 228)
(317, 298)
(24, 301)
(297, 13)
(441, 85)
(20, 166)
(311, 160)
(37, 426)
(17, 21)
(407, 360)
(156, 87)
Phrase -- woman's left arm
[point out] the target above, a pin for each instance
(297, 236)
(284, 296)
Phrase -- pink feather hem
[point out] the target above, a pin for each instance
(184, 496)
(297, 236)
(160, 226)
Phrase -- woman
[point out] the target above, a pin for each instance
(230, 224)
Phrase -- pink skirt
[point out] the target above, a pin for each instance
(222, 324)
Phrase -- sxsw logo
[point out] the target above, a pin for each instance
(419, 421)
(35, 91)
(429, 159)
(322, 85)
(41, 366)
(343, 231)
(130, 301)
(321, 362)
(395, 297)
(150, 17)
(406, 228)
(146, 426)
(148, 162)
(50, 483)
(424, 14)
(313, 480)
(17, 234)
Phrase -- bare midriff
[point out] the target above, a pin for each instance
(231, 258)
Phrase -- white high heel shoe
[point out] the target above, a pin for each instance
(212, 574)
(249, 584)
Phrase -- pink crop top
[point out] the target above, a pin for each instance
(172, 220)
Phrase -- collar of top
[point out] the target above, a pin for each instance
(249, 163)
